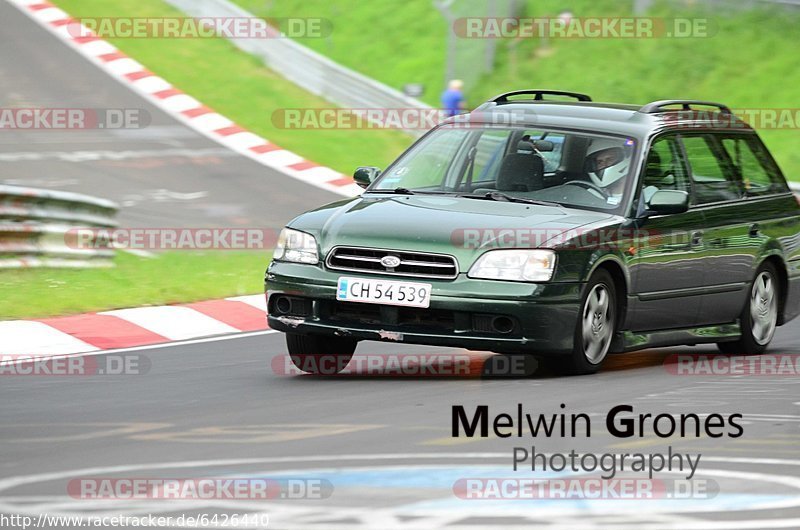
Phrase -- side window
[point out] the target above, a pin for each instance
(663, 169)
(757, 172)
(713, 176)
(552, 159)
(489, 155)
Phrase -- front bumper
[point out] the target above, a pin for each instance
(461, 313)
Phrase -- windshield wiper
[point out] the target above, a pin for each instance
(406, 191)
(502, 197)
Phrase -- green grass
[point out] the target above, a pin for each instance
(750, 61)
(168, 278)
(238, 86)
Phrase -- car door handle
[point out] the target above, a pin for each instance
(697, 238)
(754, 229)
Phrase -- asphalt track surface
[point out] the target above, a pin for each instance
(224, 408)
(215, 408)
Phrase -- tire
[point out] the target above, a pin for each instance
(595, 328)
(318, 354)
(759, 317)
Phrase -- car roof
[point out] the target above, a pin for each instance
(584, 114)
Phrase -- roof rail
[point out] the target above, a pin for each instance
(659, 106)
(539, 95)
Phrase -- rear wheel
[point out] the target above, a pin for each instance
(594, 330)
(759, 317)
(318, 354)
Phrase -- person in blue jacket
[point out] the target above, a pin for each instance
(453, 98)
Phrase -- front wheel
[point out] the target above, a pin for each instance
(594, 330)
(320, 355)
(759, 317)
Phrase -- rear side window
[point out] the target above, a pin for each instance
(488, 155)
(664, 169)
(757, 172)
(552, 159)
(713, 176)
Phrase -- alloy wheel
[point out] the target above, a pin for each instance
(763, 308)
(598, 324)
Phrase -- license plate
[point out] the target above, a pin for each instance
(386, 292)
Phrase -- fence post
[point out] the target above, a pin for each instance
(640, 7)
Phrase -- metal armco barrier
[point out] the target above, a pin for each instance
(641, 6)
(306, 68)
(34, 226)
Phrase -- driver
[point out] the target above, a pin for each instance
(607, 165)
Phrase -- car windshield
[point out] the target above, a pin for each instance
(576, 169)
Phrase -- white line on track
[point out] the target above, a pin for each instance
(668, 522)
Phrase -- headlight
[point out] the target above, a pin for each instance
(515, 265)
(296, 246)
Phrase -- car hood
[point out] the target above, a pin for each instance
(457, 226)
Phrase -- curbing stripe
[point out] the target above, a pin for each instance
(104, 332)
(28, 337)
(259, 301)
(173, 322)
(243, 317)
(130, 328)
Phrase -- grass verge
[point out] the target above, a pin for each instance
(168, 278)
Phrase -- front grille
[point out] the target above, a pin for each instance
(418, 264)
(356, 313)
(414, 319)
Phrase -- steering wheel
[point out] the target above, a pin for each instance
(589, 186)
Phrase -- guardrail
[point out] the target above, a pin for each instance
(306, 68)
(641, 6)
(35, 225)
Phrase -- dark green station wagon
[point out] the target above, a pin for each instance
(546, 224)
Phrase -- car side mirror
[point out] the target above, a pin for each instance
(366, 175)
(668, 202)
